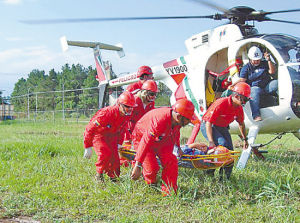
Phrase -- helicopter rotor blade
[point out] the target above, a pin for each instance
(79, 20)
(281, 11)
(284, 21)
(212, 5)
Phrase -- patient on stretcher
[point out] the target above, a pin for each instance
(197, 155)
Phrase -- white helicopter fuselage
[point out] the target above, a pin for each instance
(217, 49)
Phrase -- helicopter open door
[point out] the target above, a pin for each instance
(219, 72)
(216, 64)
(239, 53)
(267, 100)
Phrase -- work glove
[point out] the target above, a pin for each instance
(88, 152)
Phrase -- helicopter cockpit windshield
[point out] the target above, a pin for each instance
(289, 49)
(295, 76)
(287, 46)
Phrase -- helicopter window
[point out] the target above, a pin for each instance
(287, 46)
(295, 77)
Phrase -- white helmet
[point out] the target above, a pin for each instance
(254, 53)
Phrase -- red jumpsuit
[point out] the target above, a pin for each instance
(104, 132)
(153, 136)
(137, 113)
(135, 87)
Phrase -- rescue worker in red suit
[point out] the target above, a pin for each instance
(105, 131)
(145, 100)
(144, 73)
(155, 134)
(216, 120)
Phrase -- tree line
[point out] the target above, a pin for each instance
(70, 77)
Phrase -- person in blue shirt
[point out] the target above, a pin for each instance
(257, 73)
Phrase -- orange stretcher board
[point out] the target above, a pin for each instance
(202, 162)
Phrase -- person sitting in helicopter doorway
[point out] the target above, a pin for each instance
(257, 74)
(216, 120)
(144, 73)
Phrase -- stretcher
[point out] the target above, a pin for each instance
(198, 161)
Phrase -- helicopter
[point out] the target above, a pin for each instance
(213, 55)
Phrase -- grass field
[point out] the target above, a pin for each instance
(44, 178)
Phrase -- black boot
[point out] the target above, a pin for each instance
(210, 173)
(227, 171)
(99, 177)
(114, 179)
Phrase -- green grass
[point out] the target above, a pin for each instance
(44, 177)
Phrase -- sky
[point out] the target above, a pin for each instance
(26, 47)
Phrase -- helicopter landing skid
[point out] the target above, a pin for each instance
(254, 147)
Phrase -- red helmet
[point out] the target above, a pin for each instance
(150, 85)
(242, 88)
(127, 98)
(144, 70)
(184, 107)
